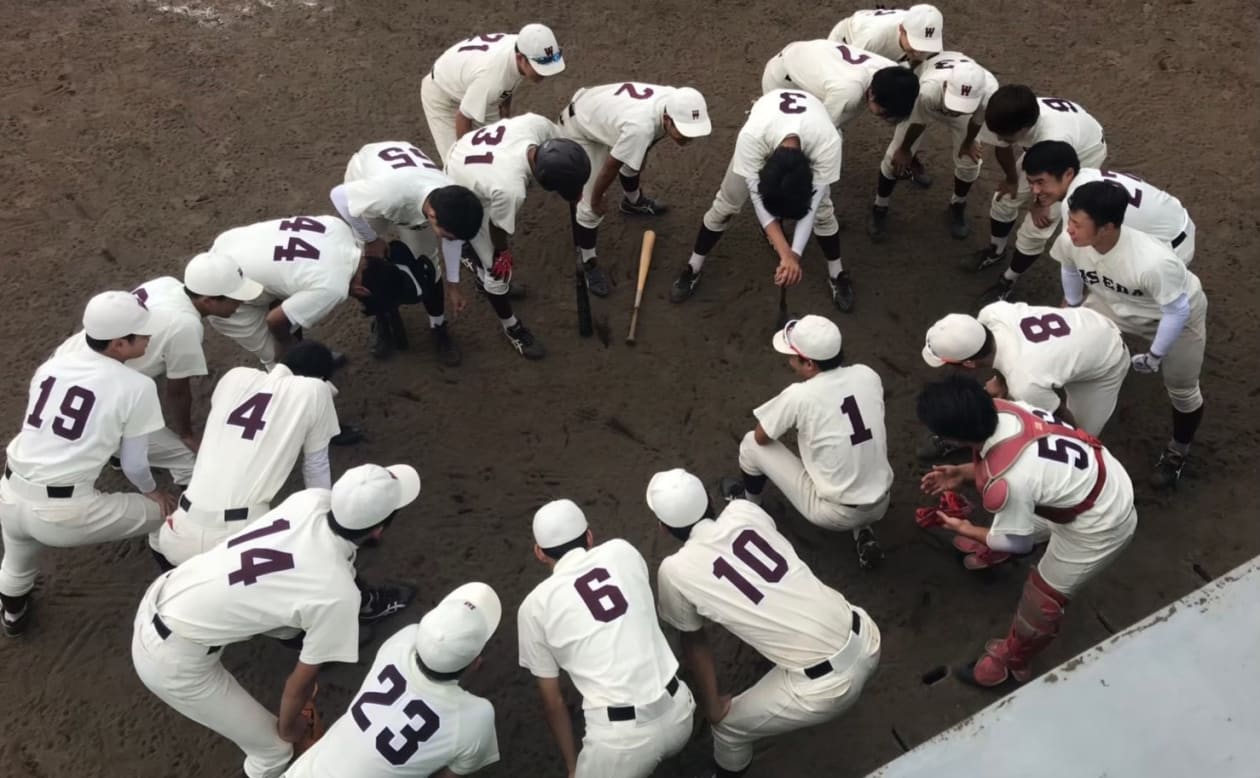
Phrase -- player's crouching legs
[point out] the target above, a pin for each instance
(627, 748)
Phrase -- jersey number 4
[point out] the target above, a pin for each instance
(249, 415)
(257, 562)
(417, 711)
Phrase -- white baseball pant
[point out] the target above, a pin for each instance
(248, 327)
(598, 153)
(786, 700)
(840, 33)
(1031, 239)
(786, 471)
(1068, 567)
(30, 520)
(193, 681)
(439, 112)
(635, 748)
(187, 533)
(1183, 363)
(168, 452)
(965, 168)
(732, 195)
(1092, 402)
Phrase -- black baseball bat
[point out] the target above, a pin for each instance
(783, 312)
(585, 327)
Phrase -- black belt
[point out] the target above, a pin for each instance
(54, 492)
(824, 667)
(572, 110)
(164, 632)
(1177, 241)
(231, 514)
(626, 712)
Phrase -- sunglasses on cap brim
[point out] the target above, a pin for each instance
(548, 59)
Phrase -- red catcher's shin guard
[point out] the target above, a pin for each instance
(1035, 626)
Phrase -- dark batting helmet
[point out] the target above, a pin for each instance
(561, 166)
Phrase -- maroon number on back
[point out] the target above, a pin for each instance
(1135, 194)
(633, 92)
(72, 415)
(606, 603)
(788, 102)
(412, 736)
(303, 224)
(257, 562)
(1059, 104)
(411, 156)
(249, 415)
(766, 562)
(142, 295)
(848, 56)
(1064, 451)
(493, 37)
(1038, 329)
(861, 432)
(484, 136)
(296, 248)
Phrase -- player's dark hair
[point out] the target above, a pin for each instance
(434, 675)
(194, 296)
(1012, 109)
(555, 552)
(895, 89)
(957, 408)
(1051, 156)
(458, 211)
(309, 358)
(99, 346)
(1104, 201)
(786, 183)
(356, 535)
(987, 348)
(830, 364)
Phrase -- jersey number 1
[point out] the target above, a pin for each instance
(257, 562)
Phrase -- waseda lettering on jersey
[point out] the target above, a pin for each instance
(1093, 277)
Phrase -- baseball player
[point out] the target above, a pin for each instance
(597, 604)
(1139, 283)
(953, 91)
(392, 185)
(291, 571)
(471, 83)
(83, 406)
(616, 125)
(498, 162)
(1054, 172)
(258, 423)
(901, 35)
(842, 479)
(1016, 116)
(786, 158)
(738, 571)
(306, 266)
(1069, 361)
(411, 719)
(1039, 478)
(848, 80)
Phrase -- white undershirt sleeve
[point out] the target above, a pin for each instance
(1073, 286)
(1010, 544)
(316, 472)
(134, 455)
(362, 230)
(754, 193)
(805, 226)
(451, 252)
(1173, 321)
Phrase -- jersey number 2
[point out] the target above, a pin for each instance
(249, 415)
(257, 562)
(412, 737)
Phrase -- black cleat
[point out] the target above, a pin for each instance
(1167, 472)
(685, 285)
(877, 225)
(869, 552)
(524, 342)
(596, 279)
(956, 214)
(379, 602)
(842, 291)
(644, 206)
(447, 349)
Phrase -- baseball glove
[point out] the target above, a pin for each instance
(314, 725)
(952, 503)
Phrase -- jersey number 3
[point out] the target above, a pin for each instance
(412, 736)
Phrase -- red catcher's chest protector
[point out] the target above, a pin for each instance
(1033, 429)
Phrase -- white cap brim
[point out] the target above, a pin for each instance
(781, 345)
(967, 105)
(694, 129)
(409, 480)
(934, 45)
(246, 291)
(931, 358)
(145, 327)
(549, 69)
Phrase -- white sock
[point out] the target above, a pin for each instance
(834, 267)
(881, 201)
(632, 195)
(437, 321)
(1010, 275)
(508, 323)
(998, 245)
(955, 199)
(587, 254)
(696, 262)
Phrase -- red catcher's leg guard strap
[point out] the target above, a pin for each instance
(1036, 622)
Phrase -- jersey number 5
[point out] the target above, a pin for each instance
(606, 602)
(412, 736)
(257, 562)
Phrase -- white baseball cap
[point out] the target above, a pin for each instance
(686, 106)
(953, 339)
(925, 28)
(455, 632)
(964, 89)
(677, 498)
(538, 43)
(112, 315)
(811, 337)
(364, 496)
(558, 522)
(217, 275)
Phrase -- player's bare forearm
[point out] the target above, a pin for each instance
(969, 530)
(973, 131)
(297, 690)
(463, 126)
(1006, 160)
(698, 658)
(778, 241)
(558, 720)
(279, 325)
(179, 405)
(912, 134)
(759, 435)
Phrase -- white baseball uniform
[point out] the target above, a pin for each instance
(622, 120)
(738, 571)
(1061, 473)
(842, 478)
(286, 571)
(493, 162)
(174, 351)
(1061, 120)
(386, 185)
(304, 262)
(81, 406)
(876, 30)
(598, 604)
(837, 74)
(1150, 210)
(473, 77)
(1131, 284)
(930, 108)
(1040, 349)
(404, 725)
(774, 118)
(258, 423)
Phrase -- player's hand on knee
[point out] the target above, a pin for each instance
(973, 150)
(1147, 363)
(1040, 215)
(598, 207)
(456, 302)
(901, 160)
(1008, 188)
(165, 500)
(718, 711)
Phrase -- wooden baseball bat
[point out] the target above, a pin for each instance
(585, 327)
(645, 262)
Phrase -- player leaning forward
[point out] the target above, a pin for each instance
(292, 570)
(594, 618)
(1039, 478)
(738, 571)
(83, 406)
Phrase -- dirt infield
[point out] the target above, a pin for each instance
(134, 132)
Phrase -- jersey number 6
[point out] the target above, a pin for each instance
(605, 603)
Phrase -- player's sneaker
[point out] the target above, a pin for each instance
(982, 258)
(14, 625)
(869, 552)
(732, 489)
(877, 225)
(935, 448)
(348, 436)
(644, 206)
(685, 285)
(398, 330)
(378, 602)
(596, 279)
(956, 214)
(524, 342)
(1168, 469)
(447, 349)
(380, 339)
(999, 292)
(842, 291)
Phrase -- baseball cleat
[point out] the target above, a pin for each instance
(842, 291)
(685, 285)
(919, 175)
(447, 349)
(877, 225)
(732, 489)
(15, 626)
(984, 558)
(957, 217)
(644, 206)
(349, 436)
(379, 602)
(524, 342)
(596, 279)
(869, 552)
(1167, 472)
(982, 258)
(999, 292)
(380, 340)
(934, 448)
